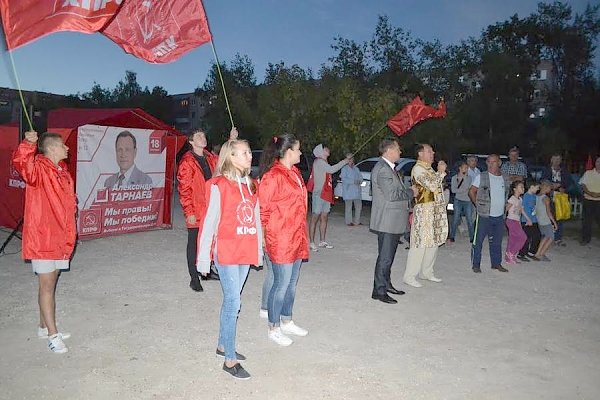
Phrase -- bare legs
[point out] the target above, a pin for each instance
(322, 219)
(46, 301)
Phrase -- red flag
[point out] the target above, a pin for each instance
(159, 31)
(413, 113)
(589, 164)
(27, 20)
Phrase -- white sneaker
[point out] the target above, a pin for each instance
(43, 334)
(56, 345)
(264, 314)
(413, 284)
(292, 329)
(434, 279)
(313, 247)
(278, 337)
(325, 245)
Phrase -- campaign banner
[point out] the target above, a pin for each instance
(120, 180)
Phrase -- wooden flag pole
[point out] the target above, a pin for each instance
(222, 82)
(369, 139)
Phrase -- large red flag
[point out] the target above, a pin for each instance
(159, 31)
(413, 113)
(27, 20)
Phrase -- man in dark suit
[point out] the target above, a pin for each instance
(129, 174)
(388, 217)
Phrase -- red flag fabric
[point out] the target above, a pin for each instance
(159, 31)
(413, 113)
(589, 164)
(27, 20)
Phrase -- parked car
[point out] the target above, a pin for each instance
(404, 165)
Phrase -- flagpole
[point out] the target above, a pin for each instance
(368, 140)
(23, 105)
(222, 81)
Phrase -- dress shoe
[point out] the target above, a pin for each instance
(384, 298)
(393, 290)
(196, 286)
(499, 268)
(477, 270)
(413, 283)
(211, 276)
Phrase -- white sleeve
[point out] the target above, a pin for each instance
(209, 229)
(476, 181)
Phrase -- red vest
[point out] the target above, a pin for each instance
(236, 239)
(49, 219)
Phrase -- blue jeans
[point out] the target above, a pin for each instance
(461, 208)
(283, 292)
(493, 228)
(232, 278)
(268, 282)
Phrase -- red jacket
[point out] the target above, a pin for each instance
(191, 186)
(283, 209)
(49, 231)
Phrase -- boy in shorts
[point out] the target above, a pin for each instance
(49, 231)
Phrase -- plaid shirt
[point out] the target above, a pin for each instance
(517, 168)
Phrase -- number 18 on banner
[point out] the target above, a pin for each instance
(156, 142)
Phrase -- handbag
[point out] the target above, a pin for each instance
(562, 207)
(310, 184)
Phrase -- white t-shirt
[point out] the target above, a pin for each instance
(497, 191)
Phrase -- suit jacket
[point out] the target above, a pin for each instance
(137, 178)
(389, 210)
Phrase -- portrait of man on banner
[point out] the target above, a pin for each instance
(128, 174)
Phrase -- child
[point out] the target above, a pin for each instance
(516, 235)
(546, 221)
(529, 223)
(231, 234)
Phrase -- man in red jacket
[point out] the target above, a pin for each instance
(195, 168)
(49, 232)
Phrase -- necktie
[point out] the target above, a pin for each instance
(120, 180)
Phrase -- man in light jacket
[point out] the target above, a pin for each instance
(351, 192)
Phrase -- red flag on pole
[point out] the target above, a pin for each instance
(413, 113)
(28, 20)
(159, 31)
(589, 164)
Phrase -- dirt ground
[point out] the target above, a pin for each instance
(139, 332)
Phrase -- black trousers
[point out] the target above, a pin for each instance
(192, 249)
(387, 243)
(589, 214)
(533, 239)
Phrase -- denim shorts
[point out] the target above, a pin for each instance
(319, 206)
(547, 231)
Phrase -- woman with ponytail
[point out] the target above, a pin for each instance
(232, 236)
(283, 211)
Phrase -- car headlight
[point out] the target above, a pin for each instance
(363, 184)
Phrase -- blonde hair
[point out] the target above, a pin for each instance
(224, 166)
(545, 184)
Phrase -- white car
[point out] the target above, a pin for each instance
(403, 165)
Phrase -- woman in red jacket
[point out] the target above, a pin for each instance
(283, 210)
(49, 232)
(195, 168)
(232, 236)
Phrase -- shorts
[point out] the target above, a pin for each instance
(47, 266)
(320, 206)
(547, 231)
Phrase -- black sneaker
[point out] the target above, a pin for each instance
(240, 357)
(237, 371)
(477, 270)
(196, 285)
(523, 258)
(499, 268)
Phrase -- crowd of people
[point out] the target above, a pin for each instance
(235, 221)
